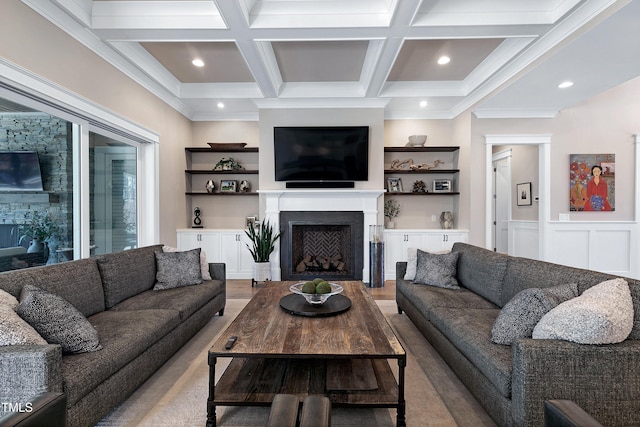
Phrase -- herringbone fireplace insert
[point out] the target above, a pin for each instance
(321, 244)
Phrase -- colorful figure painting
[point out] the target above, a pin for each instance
(592, 182)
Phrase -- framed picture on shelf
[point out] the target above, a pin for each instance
(228, 186)
(394, 185)
(523, 194)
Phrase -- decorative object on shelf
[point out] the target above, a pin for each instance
(426, 166)
(397, 164)
(227, 164)
(250, 221)
(394, 185)
(245, 186)
(225, 146)
(197, 222)
(391, 210)
(419, 187)
(442, 186)
(523, 194)
(228, 186)
(263, 240)
(446, 220)
(417, 140)
(210, 186)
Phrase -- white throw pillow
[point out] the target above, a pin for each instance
(204, 264)
(15, 331)
(7, 299)
(603, 314)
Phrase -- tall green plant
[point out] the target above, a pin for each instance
(263, 241)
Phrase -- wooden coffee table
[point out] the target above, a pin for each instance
(345, 357)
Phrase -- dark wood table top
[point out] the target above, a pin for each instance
(264, 329)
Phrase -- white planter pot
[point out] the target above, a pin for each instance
(261, 271)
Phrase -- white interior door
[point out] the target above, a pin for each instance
(502, 201)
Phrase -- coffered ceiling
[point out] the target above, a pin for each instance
(507, 57)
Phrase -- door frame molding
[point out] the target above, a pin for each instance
(543, 141)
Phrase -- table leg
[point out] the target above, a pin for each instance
(401, 421)
(211, 406)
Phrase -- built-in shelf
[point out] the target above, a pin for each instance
(419, 171)
(231, 172)
(221, 193)
(427, 149)
(225, 150)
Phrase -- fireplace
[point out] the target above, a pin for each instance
(323, 201)
(321, 244)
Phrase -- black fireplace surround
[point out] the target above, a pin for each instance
(342, 234)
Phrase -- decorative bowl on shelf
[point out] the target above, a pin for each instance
(316, 299)
(417, 140)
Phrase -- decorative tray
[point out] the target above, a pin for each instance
(223, 146)
(296, 304)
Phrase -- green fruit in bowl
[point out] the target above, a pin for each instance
(317, 280)
(309, 288)
(323, 288)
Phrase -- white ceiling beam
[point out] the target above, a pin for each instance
(156, 14)
(220, 90)
(258, 58)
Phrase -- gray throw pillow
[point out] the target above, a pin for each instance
(520, 315)
(15, 331)
(177, 269)
(57, 321)
(437, 269)
(603, 314)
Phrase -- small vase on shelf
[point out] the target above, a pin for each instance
(210, 186)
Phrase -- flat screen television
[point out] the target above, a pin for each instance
(321, 154)
(20, 171)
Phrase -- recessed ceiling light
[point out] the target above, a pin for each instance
(565, 85)
(220, 105)
(423, 104)
(444, 60)
(198, 62)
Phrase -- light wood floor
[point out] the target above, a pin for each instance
(241, 289)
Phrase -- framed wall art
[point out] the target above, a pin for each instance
(592, 184)
(523, 194)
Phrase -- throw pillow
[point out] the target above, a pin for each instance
(177, 269)
(57, 320)
(522, 313)
(437, 269)
(8, 300)
(412, 262)
(603, 314)
(204, 264)
(15, 331)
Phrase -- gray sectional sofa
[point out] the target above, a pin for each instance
(139, 330)
(512, 381)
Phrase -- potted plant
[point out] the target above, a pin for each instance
(263, 242)
(391, 210)
(39, 227)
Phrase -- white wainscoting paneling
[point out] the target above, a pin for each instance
(523, 239)
(610, 247)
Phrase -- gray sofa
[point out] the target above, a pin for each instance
(139, 330)
(512, 382)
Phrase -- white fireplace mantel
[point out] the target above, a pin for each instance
(365, 201)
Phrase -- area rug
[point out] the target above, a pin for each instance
(176, 395)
